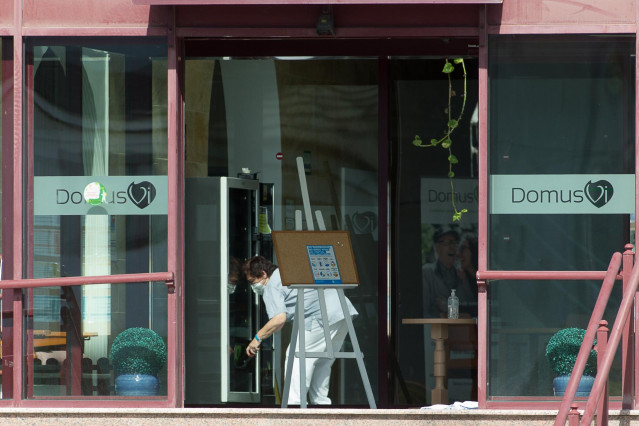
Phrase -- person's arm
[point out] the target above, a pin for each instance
(273, 325)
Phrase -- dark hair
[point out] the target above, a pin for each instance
(235, 270)
(444, 230)
(258, 264)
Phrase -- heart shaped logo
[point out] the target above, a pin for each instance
(141, 194)
(364, 223)
(599, 193)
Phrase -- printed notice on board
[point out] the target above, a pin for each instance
(324, 265)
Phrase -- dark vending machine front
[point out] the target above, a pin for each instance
(269, 359)
(221, 312)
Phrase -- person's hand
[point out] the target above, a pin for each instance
(253, 348)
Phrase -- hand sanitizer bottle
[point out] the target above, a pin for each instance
(453, 305)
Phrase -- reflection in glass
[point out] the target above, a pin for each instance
(62, 362)
(560, 106)
(523, 317)
(99, 109)
(434, 254)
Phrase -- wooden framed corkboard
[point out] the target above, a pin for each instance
(306, 257)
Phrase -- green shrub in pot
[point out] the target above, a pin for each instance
(138, 354)
(561, 351)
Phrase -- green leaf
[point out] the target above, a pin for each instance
(458, 215)
(434, 142)
(458, 60)
(452, 123)
(448, 68)
(417, 141)
(446, 143)
(451, 174)
(453, 159)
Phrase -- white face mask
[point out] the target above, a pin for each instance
(258, 288)
(231, 288)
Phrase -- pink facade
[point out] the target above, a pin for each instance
(211, 28)
(126, 17)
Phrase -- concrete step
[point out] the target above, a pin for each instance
(291, 416)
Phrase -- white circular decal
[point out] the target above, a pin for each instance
(95, 193)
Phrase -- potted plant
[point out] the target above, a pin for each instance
(561, 352)
(137, 356)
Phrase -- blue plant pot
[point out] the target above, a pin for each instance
(137, 385)
(560, 383)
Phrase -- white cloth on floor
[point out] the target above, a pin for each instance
(466, 405)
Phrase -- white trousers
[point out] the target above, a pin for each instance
(318, 370)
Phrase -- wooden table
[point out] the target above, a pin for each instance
(46, 338)
(439, 333)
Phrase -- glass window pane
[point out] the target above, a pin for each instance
(99, 153)
(523, 317)
(561, 192)
(561, 151)
(63, 363)
(434, 254)
(254, 117)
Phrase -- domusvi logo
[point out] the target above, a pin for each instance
(599, 193)
(141, 194)
(110, 195)
(562, 194)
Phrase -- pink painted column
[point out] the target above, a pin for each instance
(175, 231)
(482, 301)
(16, 253)
(628, 344)
(7, 213)
(635, 380)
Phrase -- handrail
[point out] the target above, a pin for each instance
(542, 275)
(613, 342)
(167, 277)
(589, 338)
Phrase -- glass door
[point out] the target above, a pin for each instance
(96, 206)
(221, 309)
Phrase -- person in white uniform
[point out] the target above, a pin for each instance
(280, 302)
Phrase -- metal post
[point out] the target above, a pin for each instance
(628, 348)
(291, 358)
(573, 415)
(602, 344)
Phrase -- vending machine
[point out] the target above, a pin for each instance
(221, 312)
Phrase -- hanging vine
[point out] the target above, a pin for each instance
(453, 122)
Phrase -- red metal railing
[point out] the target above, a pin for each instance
(167, 277)
(589, 338)
(606, 348)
